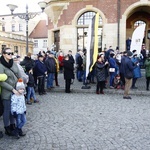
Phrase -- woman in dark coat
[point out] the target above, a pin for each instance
(68, 73)
(100, 74)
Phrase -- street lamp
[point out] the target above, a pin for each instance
(27, 16)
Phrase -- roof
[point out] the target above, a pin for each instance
(40, 31)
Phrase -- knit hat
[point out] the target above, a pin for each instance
(20, 84)
(129, 53)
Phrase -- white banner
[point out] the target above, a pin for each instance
(137, 38)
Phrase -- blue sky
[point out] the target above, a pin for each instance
(32, 4)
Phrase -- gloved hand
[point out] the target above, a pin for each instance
(15, 114)
(25, 112)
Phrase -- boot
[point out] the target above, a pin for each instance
(12, 127)
(16, 133)
(8, 131)
(1, 134)
(21, 132)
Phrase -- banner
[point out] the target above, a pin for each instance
(137, 38)
(92, 47)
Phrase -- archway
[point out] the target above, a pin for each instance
(139, 15)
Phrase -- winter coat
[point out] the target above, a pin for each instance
(40, 68)
(80, 63)
(137, 70)
(9, 84)
(18, 104)
(60, 60)
(27, 62)
(147, 67)
(68, 69)
(122, 64)
(50, 65)
(129, 67)
(100, 71)
(31, 80)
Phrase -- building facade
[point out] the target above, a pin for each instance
(69, 21)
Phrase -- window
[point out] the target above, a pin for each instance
(36, 43)
(86, 17)
(3, 27)
(13, 27)
(20, 27)
(44, 43)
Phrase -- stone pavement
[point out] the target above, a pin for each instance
(84, 121)
(77, 87)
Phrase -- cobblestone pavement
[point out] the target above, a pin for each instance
(84, 121)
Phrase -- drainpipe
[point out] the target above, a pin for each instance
(118, 20)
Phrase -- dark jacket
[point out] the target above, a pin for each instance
(50, 65)
(27, 62)
(80, 63)
(129, 67)
(31, 80)
(100, 71)
(68, 69)
(40, 68)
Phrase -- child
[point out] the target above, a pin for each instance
(30, 86)
(18, 109)
(117, 82)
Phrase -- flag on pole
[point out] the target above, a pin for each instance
(92, 47)
(137, 38)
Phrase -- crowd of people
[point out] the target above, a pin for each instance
(19, 80)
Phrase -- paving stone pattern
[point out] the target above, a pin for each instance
(84, 121)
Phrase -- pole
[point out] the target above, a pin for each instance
(27, 19)
(118, 16)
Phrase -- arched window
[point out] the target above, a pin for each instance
(85, 18)
(82, 30)
(138, 23)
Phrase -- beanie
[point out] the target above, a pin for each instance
(20, 84)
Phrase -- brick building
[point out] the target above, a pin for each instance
(69, 20)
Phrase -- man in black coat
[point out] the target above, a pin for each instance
(68, 73)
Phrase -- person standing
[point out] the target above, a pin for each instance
(147, 72)
(3, 77)
(100, 67)
(68, 73)
(18, 108)
(128, 74)
(8, 67)
(41, 72)
(51, 69)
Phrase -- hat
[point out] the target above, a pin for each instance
(40, 55)
(20, 84)
(129, 53)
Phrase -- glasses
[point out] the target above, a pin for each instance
(9, 53)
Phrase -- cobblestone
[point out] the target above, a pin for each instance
(84, 121)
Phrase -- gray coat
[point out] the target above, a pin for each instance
(8, 85)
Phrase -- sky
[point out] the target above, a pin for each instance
(32, 6)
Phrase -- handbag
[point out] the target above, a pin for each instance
(111, 69)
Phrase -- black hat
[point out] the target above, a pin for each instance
(129, 53)
(40, 55)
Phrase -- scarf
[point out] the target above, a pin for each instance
(5, 63)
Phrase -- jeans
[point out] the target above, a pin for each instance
(41, 84)
(7, 116)
(50, 80)
(112, 76)
(20, 120)
(80, 75)
(30, 93)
